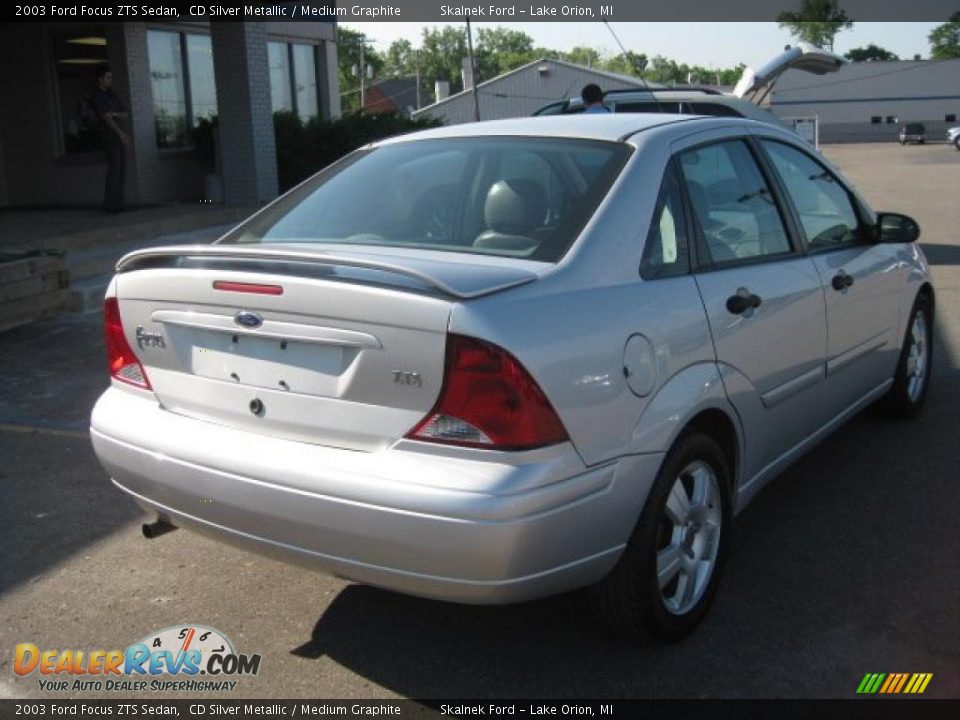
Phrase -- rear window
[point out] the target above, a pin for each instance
(713, 109)
(510, 197)
(915, 128)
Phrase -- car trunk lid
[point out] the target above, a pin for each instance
(755, 85)
(336, 348)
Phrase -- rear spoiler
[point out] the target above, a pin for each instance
(457, 279)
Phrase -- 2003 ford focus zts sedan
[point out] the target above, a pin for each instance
(497, 361)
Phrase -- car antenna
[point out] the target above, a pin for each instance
(624, 51)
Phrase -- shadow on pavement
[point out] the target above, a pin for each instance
(941, 254)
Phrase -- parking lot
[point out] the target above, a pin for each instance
(849, 563)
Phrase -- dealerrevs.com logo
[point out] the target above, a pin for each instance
(188, 658)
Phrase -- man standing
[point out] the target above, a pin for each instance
(592, 97)
(107, 106)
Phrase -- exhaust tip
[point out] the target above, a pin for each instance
(157, 528)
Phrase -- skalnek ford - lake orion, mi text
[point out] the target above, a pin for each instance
(528, 10)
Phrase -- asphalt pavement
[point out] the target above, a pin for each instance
(849, 563)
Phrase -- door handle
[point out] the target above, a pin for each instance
(841, 281)
(741, 302)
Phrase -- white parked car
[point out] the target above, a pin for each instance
(953, 136)
(497, 361)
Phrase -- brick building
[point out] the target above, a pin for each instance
(170, 77)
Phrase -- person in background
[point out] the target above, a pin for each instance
(592, 97)
(109, 111)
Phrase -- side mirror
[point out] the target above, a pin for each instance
(896, 228)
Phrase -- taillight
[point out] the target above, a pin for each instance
(123, 364)
(489, 400)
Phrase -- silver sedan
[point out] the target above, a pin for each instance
(493, 362)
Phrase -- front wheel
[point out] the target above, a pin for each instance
(912, 378)
(666, 578)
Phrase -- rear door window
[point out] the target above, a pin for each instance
(735, 211)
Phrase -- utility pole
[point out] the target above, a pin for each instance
(363, 72)
(473, 71)
(418, 78)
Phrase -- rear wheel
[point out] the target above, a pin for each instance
(668, 574)
(912, 378)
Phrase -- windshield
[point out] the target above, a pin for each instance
(505, 196)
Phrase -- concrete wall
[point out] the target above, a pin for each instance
(844, 102)
(248, 150)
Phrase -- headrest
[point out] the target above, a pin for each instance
(515, 206)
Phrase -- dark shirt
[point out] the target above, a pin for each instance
(106, 101)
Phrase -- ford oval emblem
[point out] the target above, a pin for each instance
(248, 319)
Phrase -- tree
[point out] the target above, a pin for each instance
(945, 39)
(628, 63)
(818, 22)
(582, 55)
(664, 70)
(400, 59)
(499, 50)
(870, 52)
(441, 55)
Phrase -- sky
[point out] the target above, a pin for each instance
(714, 45)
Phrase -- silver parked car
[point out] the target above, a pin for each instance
(498, 361)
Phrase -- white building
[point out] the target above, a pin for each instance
(523, 91)
(868, 101)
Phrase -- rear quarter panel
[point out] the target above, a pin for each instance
(570, 328)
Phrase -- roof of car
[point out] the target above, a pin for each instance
(607, 126)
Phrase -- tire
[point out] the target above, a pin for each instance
(956, 143)
(630, 600)
(912, 378)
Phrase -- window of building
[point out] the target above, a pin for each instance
(293, 78)
(891, 119)
(876, 119)
(77, 55)
(305, 80)
(280, 88)
(182, 83)
(950, 117)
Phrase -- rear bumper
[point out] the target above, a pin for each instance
(466, 526)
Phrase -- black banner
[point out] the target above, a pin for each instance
(439, 11)
(915, 709)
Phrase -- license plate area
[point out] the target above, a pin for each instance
(295, 366)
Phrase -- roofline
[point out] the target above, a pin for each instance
(640, 82)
